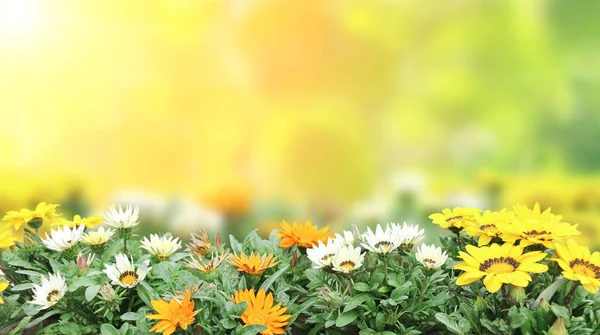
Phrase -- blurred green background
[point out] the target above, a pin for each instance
(238, 114)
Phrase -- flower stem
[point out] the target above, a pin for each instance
(571, 295)
(385, 270)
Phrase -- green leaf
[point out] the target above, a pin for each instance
(346, 318)
(108, 329)
(361, 287)
(561, 312)
(380, 322)
(252, 329)
(36, 321)
(449, 323)
(19, 328)
(516, 319)
(269, 282)
(22, 287)
(129, 316)
(228, 323)
(91, 291)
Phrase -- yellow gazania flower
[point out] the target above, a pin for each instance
(89, 222)
(97, 239)
(254, 264)
(488, 226)
(579, 265)
(6, 237)
(17, 219)
(260, 311)
(206, 267)
(173, 314)
(44, 211)
(304, 234)
(455, 219)
(497, 265)
(3, 286)
(534, 227)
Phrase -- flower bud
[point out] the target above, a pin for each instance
(294, 259)
(107, 292)
(479, 303)
(200, 244)
(35, 223)
(82, 263)
(558, 328)
(219, 242)
(517, 295)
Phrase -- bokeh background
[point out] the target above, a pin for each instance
(234, 115)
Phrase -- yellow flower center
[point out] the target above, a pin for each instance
(52, 296)
(585, 268)
(385, 244)
(326, 257)
(499, 265)
(256, 319)
(128, 277)
(179, 318)
(429, 260)
(535, 234)
(348, 264)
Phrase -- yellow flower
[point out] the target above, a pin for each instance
(579, 265)
(534, 227)
(455, 219)
(3, 286)
(488, 226)
(44, 211)
(6, 237)
(305, 235)
(89, 222)
(19, 218)
(260, 311)
(97, 239)
(254, 264)
(497, 265)
(209, 266)
(173, 315)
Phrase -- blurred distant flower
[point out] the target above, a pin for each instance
(381, 241)
(200, 244)
(230, 200)
(173, 315)
(124, 272)
(254, 264)
(63, 239)
(372, 210)
(455, 219)
(6, 238)
(43, 211)
(122, 218)
(97, 239)
(409, 234)
(260, 310)
(498, 265)
(206, 267)
(347, 239)
(578, 265)
(188, 216)
(322, 254)
(430, 256)
(49, 291)
(533, 227)
(347, 259)
(488, 225)
(89, 222)
(161, 247)
(304, 234)
(3, 286)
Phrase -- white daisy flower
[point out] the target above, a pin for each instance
(347, 239)
(98, 238)
(382, 241)
(122, 218)
(161, 247)
(49, 291)
(322, 254)
(63, 239)
(124, 273)
(431, 257)
(347, 259)
(409, 234)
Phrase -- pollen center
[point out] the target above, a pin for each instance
(499, 265)
(326, 257)
(487, 226)
(128, 277)
(385, 244)
(454, 219)
(52, 296)
(585, 268)
(429, 260)
(256, 319)
(536, 233)
(348, 264)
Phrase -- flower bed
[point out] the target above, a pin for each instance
(517, 272)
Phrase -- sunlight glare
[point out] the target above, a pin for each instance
(19, 18)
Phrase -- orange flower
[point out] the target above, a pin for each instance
(260, 311)
(255, 264)
(305, 235)
(173, 314)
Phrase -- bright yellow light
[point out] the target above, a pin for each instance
(19, 18)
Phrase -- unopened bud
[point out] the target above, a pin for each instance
(294, 259)
(84, 263)
(107, 292)
(544, 304)
(558, 328)
(479, 303)
(219, 242)
(35, 223)
(517, 295)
